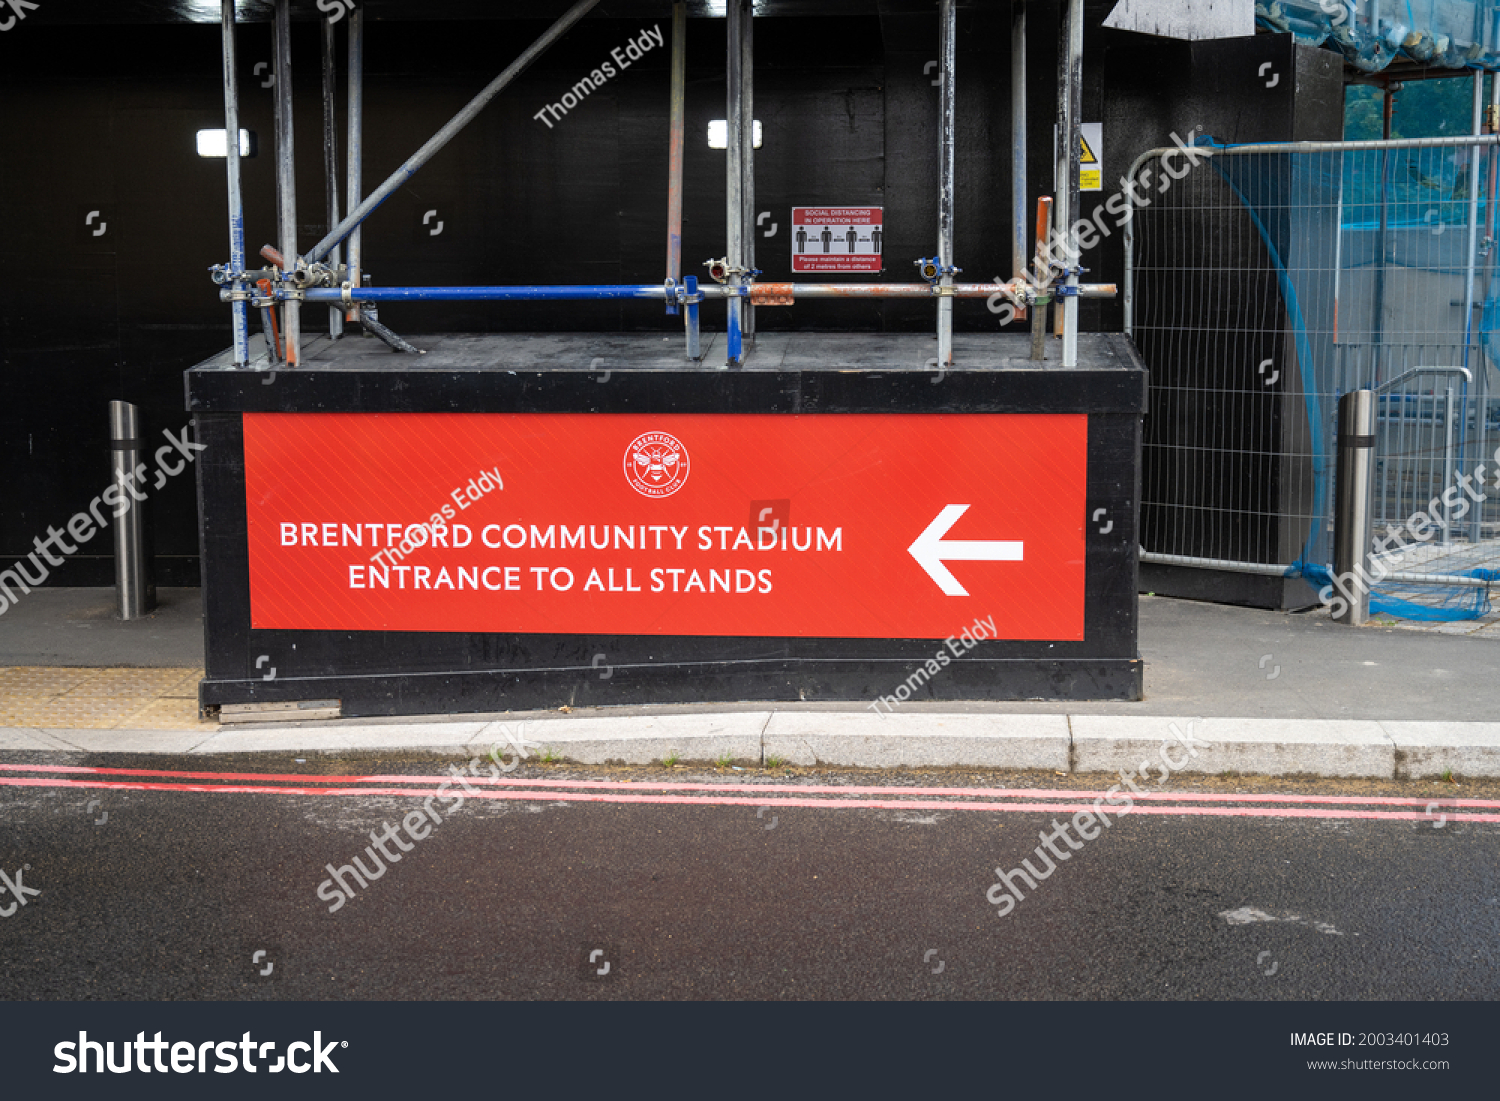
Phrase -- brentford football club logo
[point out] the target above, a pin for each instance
(656, 464)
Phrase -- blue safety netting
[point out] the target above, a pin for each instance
(1438, 604)
(1298, 204)
(1454, 34)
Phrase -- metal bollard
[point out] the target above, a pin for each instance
(1352, 532)
(135, 590)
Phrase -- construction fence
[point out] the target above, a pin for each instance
(1270, 280)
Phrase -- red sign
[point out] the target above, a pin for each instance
(837, 239)
(833, 526)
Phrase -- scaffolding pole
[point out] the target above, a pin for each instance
(331, 158)
(448, 132)
(734, 170)
(239, 310)
(286, 178)
(759, 292)
(1042, 274)
(677, 132)
(907, 290)
(1018, 191)
(947, 50)
(354, 184)
(1070, 137)
(747, 155)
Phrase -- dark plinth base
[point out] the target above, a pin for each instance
(408, 672)
(529, 685)
(1247, 590)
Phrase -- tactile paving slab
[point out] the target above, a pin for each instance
(31, 680)
(100, 699)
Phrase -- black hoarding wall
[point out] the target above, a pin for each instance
(109, 220)
(438, 669)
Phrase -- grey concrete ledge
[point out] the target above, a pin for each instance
(1261, 747)
(918, 740)
(585, 739)
(855, 739)
(1428, 749)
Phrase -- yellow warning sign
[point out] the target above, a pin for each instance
(1091, 157)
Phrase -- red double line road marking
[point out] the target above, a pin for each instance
(638, 785)
(1332, 806)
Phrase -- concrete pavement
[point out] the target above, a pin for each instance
(1396, 750)
(1229, 690)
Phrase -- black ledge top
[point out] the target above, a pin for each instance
(647, 373)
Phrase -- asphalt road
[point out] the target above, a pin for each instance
(170, 894)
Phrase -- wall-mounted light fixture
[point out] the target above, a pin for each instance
(211, 143)
(718, 134)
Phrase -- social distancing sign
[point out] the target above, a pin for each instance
(837, 239)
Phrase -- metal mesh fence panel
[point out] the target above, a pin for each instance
(1266, 282)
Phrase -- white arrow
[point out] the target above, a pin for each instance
(931, 550)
